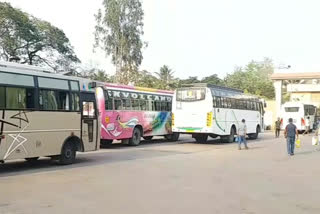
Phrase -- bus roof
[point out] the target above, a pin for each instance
(136, 88)
(212, 86)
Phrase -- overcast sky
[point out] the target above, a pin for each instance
(200, 37)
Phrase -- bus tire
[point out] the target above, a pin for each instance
(172, 137)
(201, 138)
(32, 160)
(148, 137)
(229, 138)
(136, 137)
(255, 135)
(68, 153)
(105, 143)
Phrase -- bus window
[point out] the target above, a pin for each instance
(2, 97)
(169, 108)
(143, 105)
(157, 106)
(126, 104)
(163, 106)
(218, 99)
(63, 100)
(16, 98)
(214, 101)
(75, 102)
(135, 104)
(291, 109)
(117, 104)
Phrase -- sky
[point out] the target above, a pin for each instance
(200, 37)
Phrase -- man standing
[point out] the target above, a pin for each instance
(290, 134)
(242, 132)
(307, 126)
(277, 127)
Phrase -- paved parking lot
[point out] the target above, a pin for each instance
(161, 177)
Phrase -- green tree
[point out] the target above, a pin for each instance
(30, 40)
(253, 79)
(190, 80)
(165, 76)
(118, 32)
(146, 79)
(213, 79)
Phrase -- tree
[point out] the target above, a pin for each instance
(213, 79)
(118, 32)
(254, 78)
(190, 80)
(165, 77)
(30, 40)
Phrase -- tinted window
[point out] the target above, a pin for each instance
(75, 102)
(16, 98)
(53, 100)
(126, 104)
(291, 109)
(117, 104)
(53, 83)
(16, 79)
(109, 103)
(135, 104)
(143, 105)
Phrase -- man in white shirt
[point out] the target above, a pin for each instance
(242, 132)
(307, 126)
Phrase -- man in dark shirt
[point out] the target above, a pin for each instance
(291, 133)
(278, 126)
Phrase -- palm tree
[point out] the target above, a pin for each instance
(165, 76)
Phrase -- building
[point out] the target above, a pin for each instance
(300, 87)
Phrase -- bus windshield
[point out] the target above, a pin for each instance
(191, 94)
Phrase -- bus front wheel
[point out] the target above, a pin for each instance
(136, 137)
(68, 154)
(201, 138)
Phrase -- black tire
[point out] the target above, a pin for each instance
(68, 154)
(148, 137)
(172, 137)
(229, 138)
(201, 138)
(255, 135)
(32, 160)
(136, 137)
(105, 143)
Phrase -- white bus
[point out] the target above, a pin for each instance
(207, 110)
(299, 112)
(45, 114)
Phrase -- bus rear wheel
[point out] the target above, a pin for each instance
(105, 143)
(172, 137)
(68, 154)
(148, 137)
(229, 138)
(255, 135)
(136, 137)
(201, 138)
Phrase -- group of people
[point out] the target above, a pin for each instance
(291, 132)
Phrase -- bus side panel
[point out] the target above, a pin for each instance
(120, 124)
(35, 134)
(225, 118)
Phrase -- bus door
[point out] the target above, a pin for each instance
(89, 122)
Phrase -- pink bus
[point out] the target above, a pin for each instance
(129, 113)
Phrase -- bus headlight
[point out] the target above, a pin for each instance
(209, 119)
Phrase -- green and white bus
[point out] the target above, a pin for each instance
(207, 110)
(43, 114)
